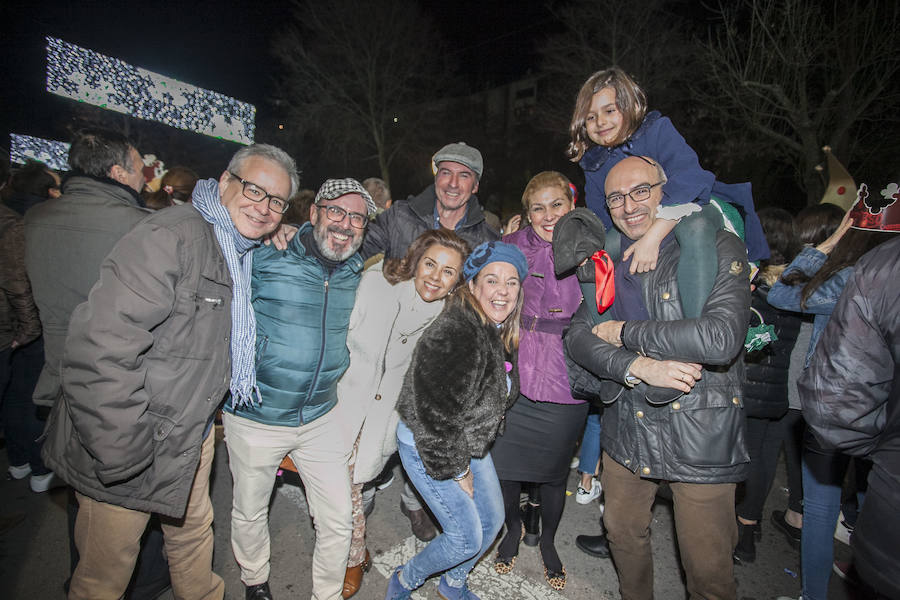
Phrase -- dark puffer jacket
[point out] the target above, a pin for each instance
(698, 437)
(851, 400)
(454, 396)
(396, 228)
(766, 385)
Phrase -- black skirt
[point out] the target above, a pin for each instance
(539, 440)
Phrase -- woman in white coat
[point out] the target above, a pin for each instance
(396, 302)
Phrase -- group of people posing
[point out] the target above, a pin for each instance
(476, 358)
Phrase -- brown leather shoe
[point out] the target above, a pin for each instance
(421, 524)
(353, 577)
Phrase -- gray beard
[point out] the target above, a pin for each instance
(321, 238)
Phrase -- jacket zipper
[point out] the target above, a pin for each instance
(315, 378)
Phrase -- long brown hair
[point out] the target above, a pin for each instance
(630, 100)
(846, 252)
(403, 269)
(509, 329)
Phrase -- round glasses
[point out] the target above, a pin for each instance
(336, 213)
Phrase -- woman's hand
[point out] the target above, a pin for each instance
(467, 483)
(828, 245)
(513, 224)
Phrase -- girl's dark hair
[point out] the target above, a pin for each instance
(778, 226)
(846, 252)
(182, 181)
(630, 100)
(33, 179)
(403, 269)
(815, 223)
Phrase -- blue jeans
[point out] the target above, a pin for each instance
(823, 477)
(469, 525)
(590, 444)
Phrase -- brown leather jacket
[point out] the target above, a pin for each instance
(19, 320)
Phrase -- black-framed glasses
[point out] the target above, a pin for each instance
(640, 193)
(336, 213)
(253, 192)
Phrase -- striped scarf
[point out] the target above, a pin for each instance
(239, 257)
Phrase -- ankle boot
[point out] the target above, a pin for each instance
(531, 518)
(745, 551)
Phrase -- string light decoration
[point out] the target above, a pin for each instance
(53, 153)
(88, 76)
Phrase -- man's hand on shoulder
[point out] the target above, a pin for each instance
(281, 236)
(666, 373)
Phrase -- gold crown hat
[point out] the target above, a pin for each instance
(841, 189)
(877, 210)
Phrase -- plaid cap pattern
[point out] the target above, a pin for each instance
(335, 188)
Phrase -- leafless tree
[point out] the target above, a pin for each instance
(804, 73)
(358, 74)
(647, 39)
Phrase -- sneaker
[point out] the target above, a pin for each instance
(842, 530)
(42, 483)
(576, 460)
(583, 496)
(20, 471)
(259, 591)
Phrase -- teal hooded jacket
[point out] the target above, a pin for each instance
(302, 317)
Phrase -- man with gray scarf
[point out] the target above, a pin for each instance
(165, 333)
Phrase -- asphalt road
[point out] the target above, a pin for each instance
(34, 553)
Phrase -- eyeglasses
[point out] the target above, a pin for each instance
(257, 194)
(336, 213)
(640, 193)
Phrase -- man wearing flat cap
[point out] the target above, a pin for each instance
(302, 299)
(450, 203)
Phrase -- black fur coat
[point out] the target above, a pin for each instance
(454, 396)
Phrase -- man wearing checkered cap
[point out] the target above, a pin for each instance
(302, 299)
(450, 203)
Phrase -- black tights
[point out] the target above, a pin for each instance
(553, 499)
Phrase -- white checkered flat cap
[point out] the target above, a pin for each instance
(335, 188)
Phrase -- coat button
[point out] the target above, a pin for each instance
(209, 399)
(378, 396)
(645, 470)
(676, 405)
(640, 414)
(666, 295)
(627, 461)
(736, 400)
(403, 341)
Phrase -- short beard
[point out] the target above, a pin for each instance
(320, 235)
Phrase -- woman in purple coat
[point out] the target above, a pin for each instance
(544, 424)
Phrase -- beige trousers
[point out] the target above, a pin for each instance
(320, 451)
(108, 538)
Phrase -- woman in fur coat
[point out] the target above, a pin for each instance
(397, 300)
(460, 383)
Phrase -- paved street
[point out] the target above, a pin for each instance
(34, 554)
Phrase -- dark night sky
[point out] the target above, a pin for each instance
(222, 46)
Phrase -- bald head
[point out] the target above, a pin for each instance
(633, 192)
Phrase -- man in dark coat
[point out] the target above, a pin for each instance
(851, 401)
(450, 203)
(675, 412)
(165, 333)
